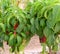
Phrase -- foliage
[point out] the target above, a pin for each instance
(40, 17)
(45, 20)
(13, 24)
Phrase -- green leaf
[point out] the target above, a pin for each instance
(11, 43)
(55, 47)
(23, 35)
(56, 12)
(6, 38)
(32, 21)
(57, 28)
(42, 22)
(50, 40)
(40, 31)
(20, 28)
(2, 26)
(50, 36)
(8, 20)
(34, 8)
(28, 7)
(55, 17)
(47, 32)
(43, 10)
(33, 28)
(19, 40)
(37, 23)
(13, 21)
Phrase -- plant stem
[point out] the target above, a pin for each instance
(50, 51)
(16, 52)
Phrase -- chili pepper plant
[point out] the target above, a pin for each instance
(41, 17)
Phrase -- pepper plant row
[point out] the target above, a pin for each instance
(40, 17)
